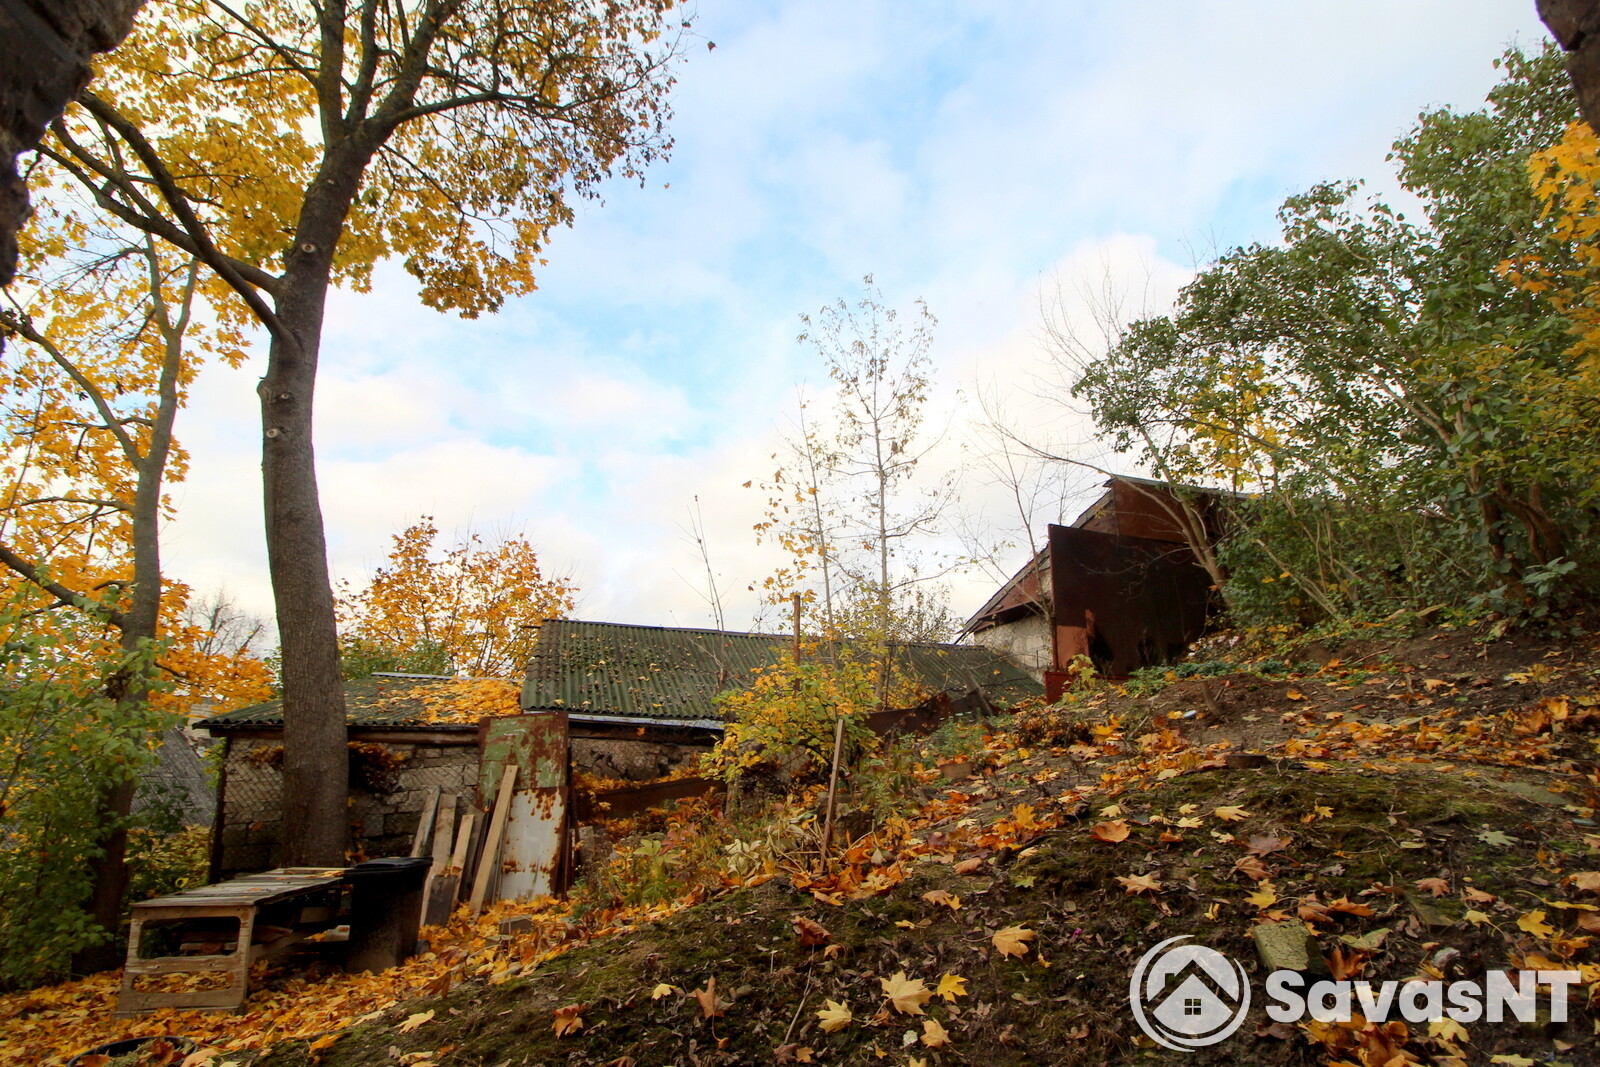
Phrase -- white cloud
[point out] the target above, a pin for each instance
(974, 154)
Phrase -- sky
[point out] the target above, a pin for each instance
(1013, 165)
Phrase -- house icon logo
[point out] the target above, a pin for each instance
(1186, 997)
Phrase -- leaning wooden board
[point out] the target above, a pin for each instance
(491, 846)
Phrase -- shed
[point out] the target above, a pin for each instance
(1119, 585)
(640, 703)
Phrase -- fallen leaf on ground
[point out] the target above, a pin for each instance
(568, 1021)
(940, 896)
(710, 1007)
(663, 990)
(1252, 868)
(950, 987)
(906, 995)
(1230, 813)
(414, 1021)
(810, 932)
(1133, 885)
(834, 1016)
(1436, 886)
(934, 1035)
(1534, 923)
(1012, 941)
(1110, 832)
(1261, 844)
(1264, 897)
(967, 866)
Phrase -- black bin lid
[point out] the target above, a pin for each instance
(389, 867)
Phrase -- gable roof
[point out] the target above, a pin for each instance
(660, 672)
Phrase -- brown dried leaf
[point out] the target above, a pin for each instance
(810, 932)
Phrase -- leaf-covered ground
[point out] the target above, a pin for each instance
(1426, 807)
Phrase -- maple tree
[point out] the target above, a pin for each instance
(289, 147)
(475, 608)
(103, 348)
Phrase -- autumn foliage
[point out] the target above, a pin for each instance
(474, 608)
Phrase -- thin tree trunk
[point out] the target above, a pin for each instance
(139, 625)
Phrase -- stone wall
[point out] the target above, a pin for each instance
(387, 797)
(631, 759)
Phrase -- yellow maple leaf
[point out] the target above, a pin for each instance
(950, 987)
(1230, 813)
(1133, 885)
(663, 990)
(1264, 897)
(939, 896)
(414, 1021)
(933, 1034)
(1447, 1030)
(1012, 941)
(1534, 923)
(834, 1016)
(906, 995)
(1475, 917)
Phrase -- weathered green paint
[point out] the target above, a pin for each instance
(536, 744)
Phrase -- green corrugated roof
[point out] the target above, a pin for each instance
(368, 702)
(644, 672)
(659, 672)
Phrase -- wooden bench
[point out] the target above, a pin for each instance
(224, 928)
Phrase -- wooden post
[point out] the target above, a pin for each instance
(797, 627)
(491, 845)
(833, 789)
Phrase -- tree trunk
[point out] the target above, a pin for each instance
(315, 766)
(316, 828)
(138, 625)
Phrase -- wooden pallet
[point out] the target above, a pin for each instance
(273, 910)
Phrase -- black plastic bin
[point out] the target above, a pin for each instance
(385, 911)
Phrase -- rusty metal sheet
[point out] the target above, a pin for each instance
(536, 744)
(631, 800)
(535, 833)
(1127, 602)
(535, 841)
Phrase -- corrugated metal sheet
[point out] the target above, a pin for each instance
(371, 701)
(619, 672)
(664, 672)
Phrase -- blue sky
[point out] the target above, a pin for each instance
(985, 157)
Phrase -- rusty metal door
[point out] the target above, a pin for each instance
(535, 834)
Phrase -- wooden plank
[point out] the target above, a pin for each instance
(444, 821)
(445, 887)
(469, 869)
(458, 859)
(491, 844)
(424, 823)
